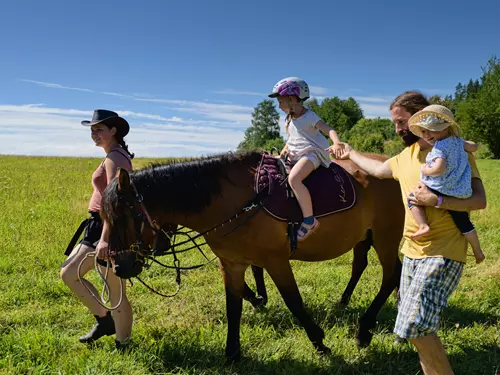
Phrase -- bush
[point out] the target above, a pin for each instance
(484, 152)
(368, 143)
(393, 147)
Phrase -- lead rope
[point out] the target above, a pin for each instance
(101, 300)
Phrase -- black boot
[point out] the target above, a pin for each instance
(399, 340)
(105, 326)
(122, 346)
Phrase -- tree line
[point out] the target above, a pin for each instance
(476, 105)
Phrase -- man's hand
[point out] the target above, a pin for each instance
(336, 150)
(342, 152)
(422, 196)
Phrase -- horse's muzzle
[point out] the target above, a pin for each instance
(128, 264)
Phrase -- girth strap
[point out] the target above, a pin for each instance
(76, 236)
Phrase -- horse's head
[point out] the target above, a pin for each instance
(133, 235)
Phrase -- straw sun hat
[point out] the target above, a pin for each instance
(434, 117)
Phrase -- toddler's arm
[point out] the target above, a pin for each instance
(436, 170)
(470, 146)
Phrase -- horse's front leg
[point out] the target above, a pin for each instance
(282, 275)
(234, 283)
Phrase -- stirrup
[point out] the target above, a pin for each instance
(306, 230)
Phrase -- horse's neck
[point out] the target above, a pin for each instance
(236, 191)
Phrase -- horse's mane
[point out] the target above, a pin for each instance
(188, 186)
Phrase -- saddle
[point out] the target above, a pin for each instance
(331, 190)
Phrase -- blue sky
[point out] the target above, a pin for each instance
(187, 74)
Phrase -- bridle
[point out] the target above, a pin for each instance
(139, 256)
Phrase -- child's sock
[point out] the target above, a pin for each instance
(309, 220)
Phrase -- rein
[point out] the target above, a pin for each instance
(142, 217)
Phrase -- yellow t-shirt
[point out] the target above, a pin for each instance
(444, 240)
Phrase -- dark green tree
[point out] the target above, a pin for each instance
(265, 127)
(479, 114)
(340, 114)
(374, 135)
(277, 143)
(447, 101)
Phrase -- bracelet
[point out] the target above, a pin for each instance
(439, 201)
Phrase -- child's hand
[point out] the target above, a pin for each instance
(284, 152)
(337, 150)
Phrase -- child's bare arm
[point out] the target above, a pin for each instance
(436, 170)
(327, 130)
(470, 146)
(284, 151)
(337, 147)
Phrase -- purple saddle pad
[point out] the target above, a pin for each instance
(331, 190)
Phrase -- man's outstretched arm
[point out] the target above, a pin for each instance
(376, 168)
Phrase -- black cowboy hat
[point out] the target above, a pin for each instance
(103, 116)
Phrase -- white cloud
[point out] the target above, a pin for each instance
(375, 110)
(372, 99)
(54, 85)
(236, 92)
(227, 112)
(119, 95)
(36, 130)
(318, 98)
(317, 90)
(41, 109)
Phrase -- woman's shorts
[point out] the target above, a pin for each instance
(93, 231)
(91, 236)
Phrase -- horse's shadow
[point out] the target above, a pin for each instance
(329, 316)
(207, 362)
(197, 359)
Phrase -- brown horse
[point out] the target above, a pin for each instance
(205, 193)
(358, 266)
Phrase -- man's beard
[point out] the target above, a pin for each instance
(408, 137)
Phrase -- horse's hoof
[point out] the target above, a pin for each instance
(344, 301)
(259, 302)
(323, 349)
(233, 356)
(399, 340)
(363, 339)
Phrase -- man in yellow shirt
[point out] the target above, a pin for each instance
(433, 264)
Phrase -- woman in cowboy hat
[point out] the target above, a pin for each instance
(107, 131)
(447, 171)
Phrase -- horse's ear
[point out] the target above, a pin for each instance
(123, 180)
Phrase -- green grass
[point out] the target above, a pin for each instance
(42, 200)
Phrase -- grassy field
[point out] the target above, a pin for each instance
(42, 200)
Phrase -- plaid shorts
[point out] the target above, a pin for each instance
(426, 285)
